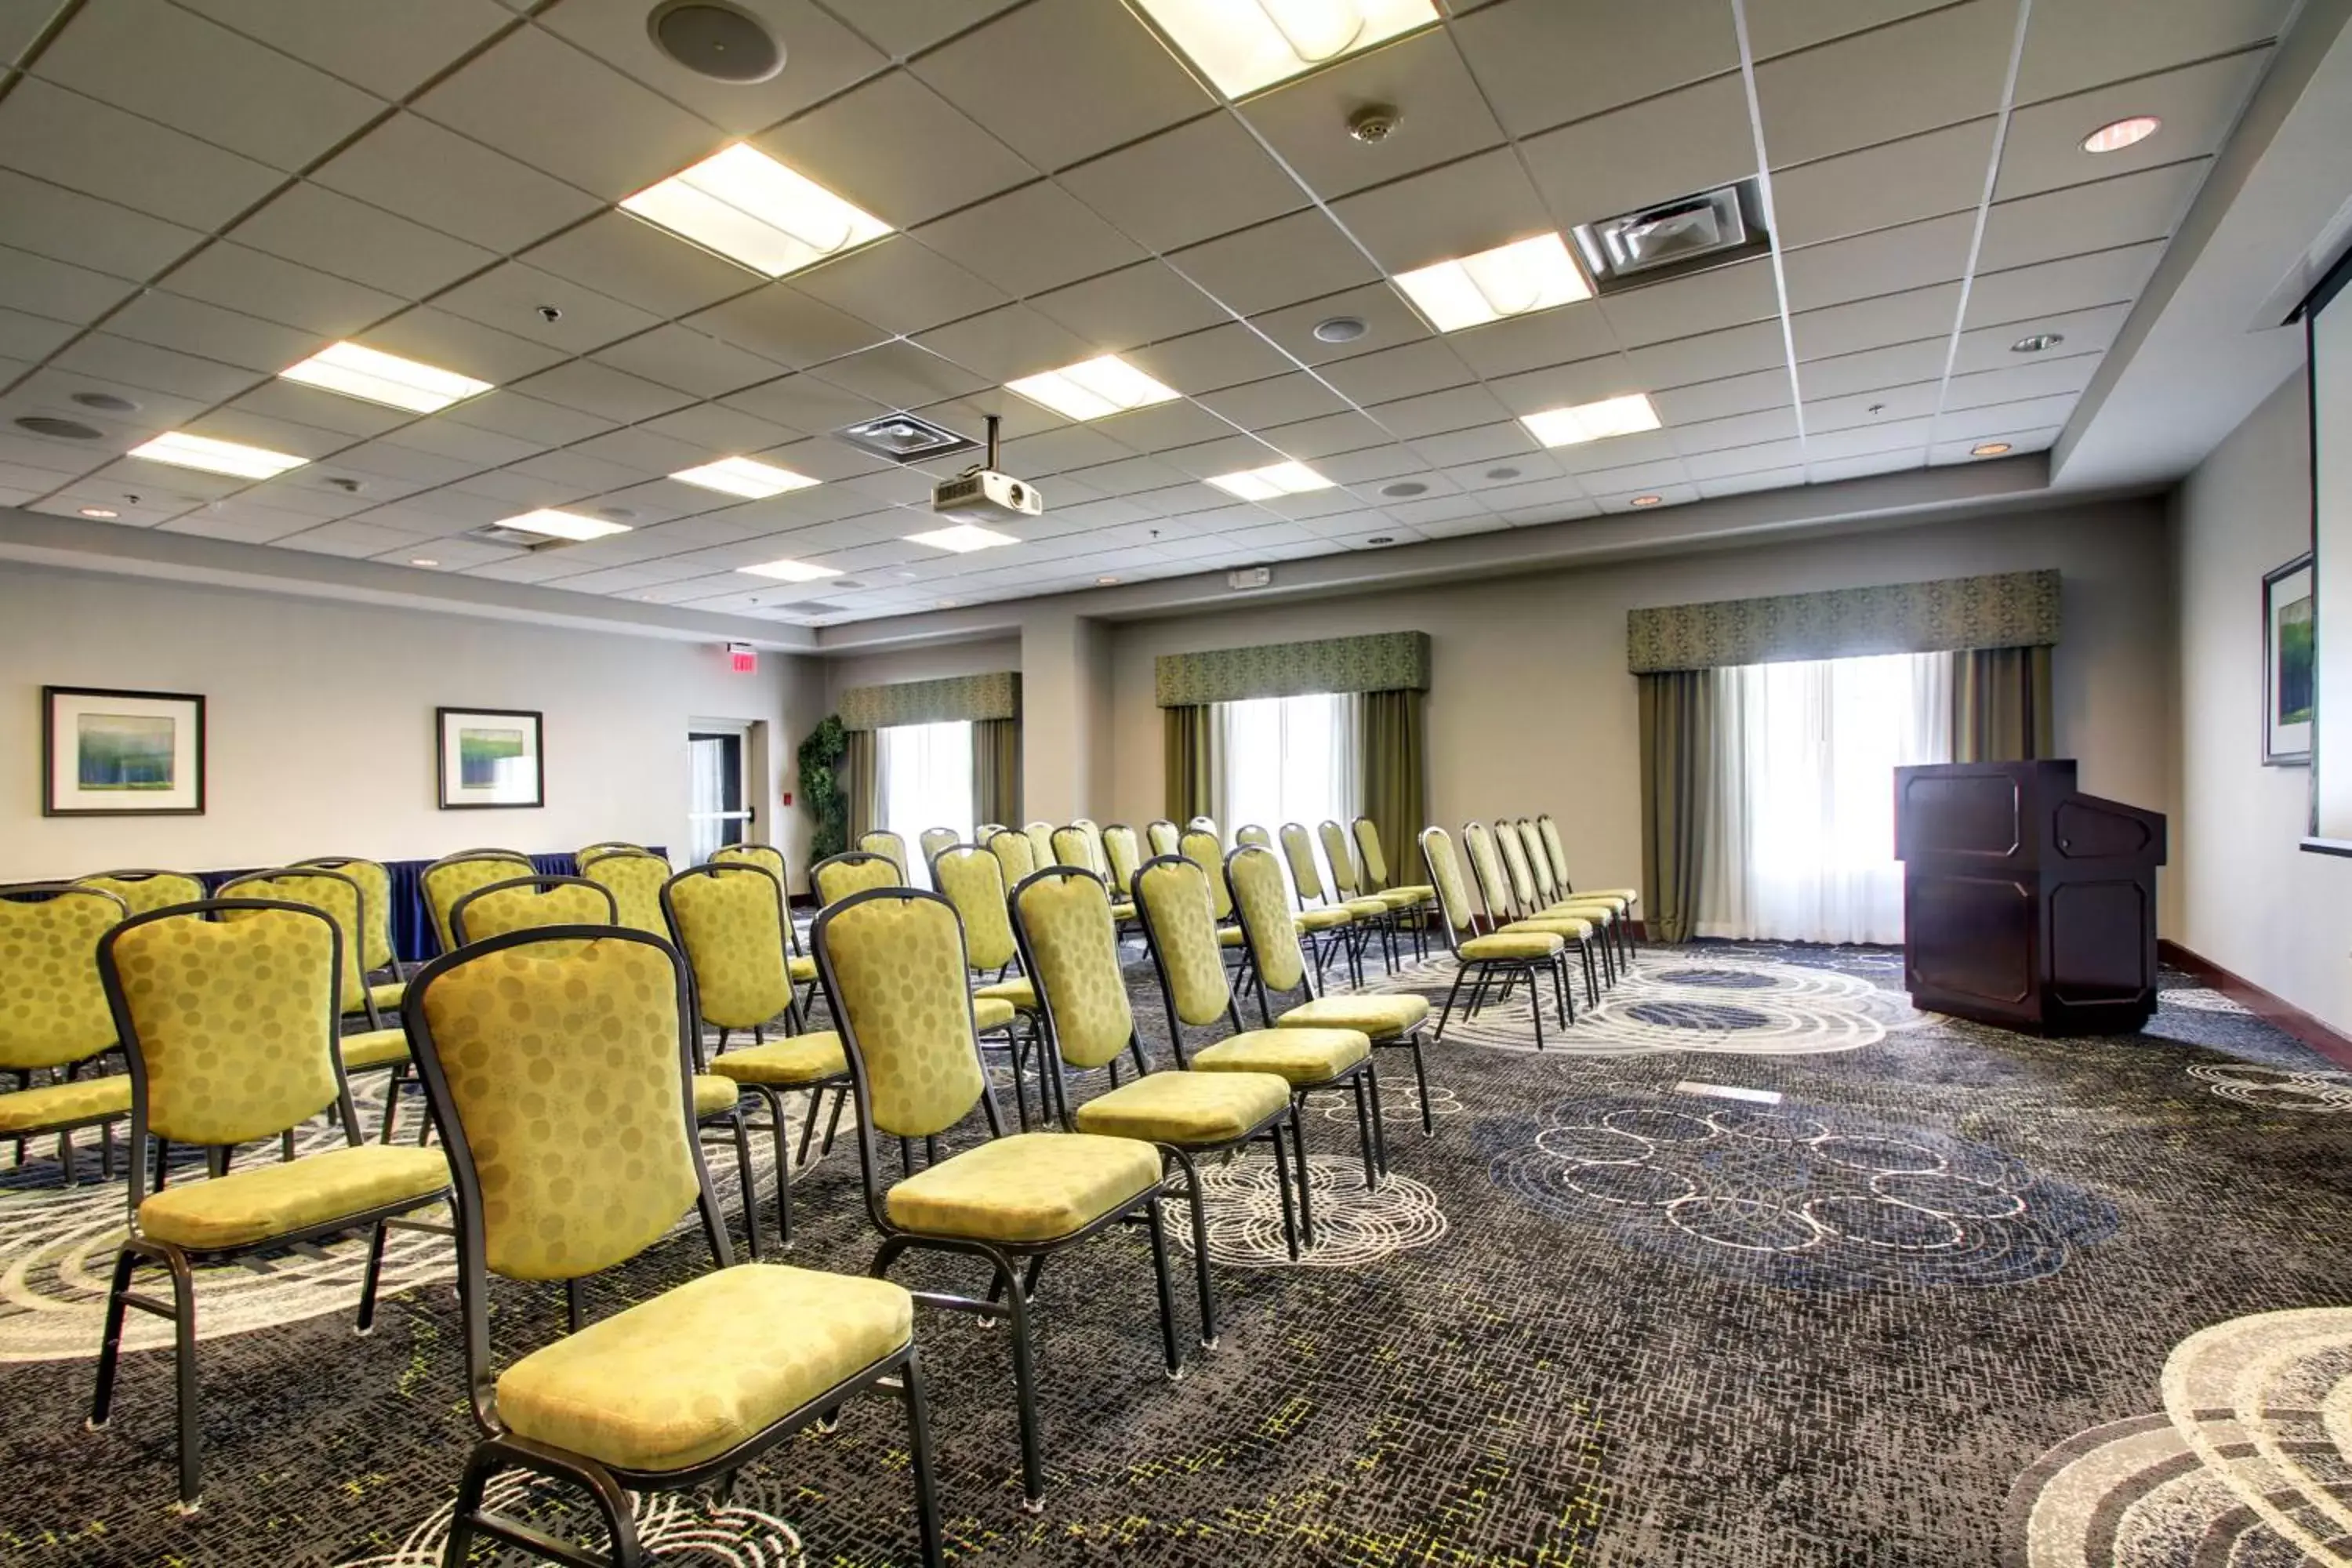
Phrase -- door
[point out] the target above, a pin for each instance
(718, 811)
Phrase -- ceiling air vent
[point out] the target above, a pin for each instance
(906, 438)
(514, 538)
(1673, 240)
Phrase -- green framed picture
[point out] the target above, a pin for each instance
(2289, 663)
(490, 757)
(106, 753)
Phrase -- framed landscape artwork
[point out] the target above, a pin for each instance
(490, 757)
(122, 753)
(2289, 655)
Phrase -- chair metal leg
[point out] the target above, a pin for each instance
(1364, 1131)
(1379, 1122)
(1305, 1182)
(778, 1131)
(833, 1123)
(1534, 1008)
(366, 1324)
(1451, 993)
(110, 1344)
(751, 1189)
(391, 1083)
(1420, 1067)
(1024, 1390)
(1200, 1216)
(919, 1449)
(808, 1130)
(480, 1466)
(184, 1352)
(1282, 1187)
(1158, 1229)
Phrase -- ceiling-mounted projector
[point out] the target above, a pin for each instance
(983, 494)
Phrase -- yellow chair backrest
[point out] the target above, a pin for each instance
(1180, 925)
(1162, 837)
(973, 881)
(1073, 848)
(1545, 886)
(635, 878)
(934, 839)
(1264, 906)
(1554, 851)
(1487, 869)
(1123, 856)
(882, 841)
(375, 894)
(1344, 877)
(52, 1008)
(584, 1156)
(1041, 842)
(1368, 845)
(1249, 833)
(853, 871)
(1203, 850)
(1207, 824)
(1072, 943)
(896, 970)
(1016, 853)
(452, 877)
(143, 893)
(729, 920)
(333, 893)
(1446, 872)
(1519, 876)
(531, 903)
(604, 847)
(1298, 849)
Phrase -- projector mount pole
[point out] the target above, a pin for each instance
(991, 443)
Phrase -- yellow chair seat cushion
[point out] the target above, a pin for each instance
(386, 993)
(65, 1104)
(1421, 893)
(1231, 936)
(1320, 920)
(1186, 1107)
(1624, 895)
(1563, 926)
(1381, 1018)
(800, 1058)
(703, 1368)
(990, 1013)
(1367, 909)
(1300, 1057)
(1022, 993)
(253, 1205)
(1511, 944)
(1592, 909)
(800, 967)
(1122, 913)
(1397, 897)
(714, 1094)
(373, 1048)
(1031, 1186)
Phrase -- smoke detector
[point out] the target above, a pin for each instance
(1374, 123)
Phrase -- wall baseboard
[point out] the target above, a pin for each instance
(2324, 1038)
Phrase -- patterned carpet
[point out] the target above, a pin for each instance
(1955, 1297)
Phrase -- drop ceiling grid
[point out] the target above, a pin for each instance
(1413, 425)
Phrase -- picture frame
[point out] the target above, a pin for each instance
(111, 752)
(2289, 661)
(488, 759)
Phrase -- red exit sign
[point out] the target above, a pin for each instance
(742, 658)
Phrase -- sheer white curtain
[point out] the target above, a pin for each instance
(1286, 759)
(1799, 833)
(926, 781)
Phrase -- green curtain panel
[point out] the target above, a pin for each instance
(2010, 610)
(954, 699)
(1187, 733)
(1394, 765)
(996, 770)
(1376, 661)
(864, 771)
(1678, 718)
(2001, 705)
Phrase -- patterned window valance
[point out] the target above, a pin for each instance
(1377, 661)
(943, 701)
(2012, 609)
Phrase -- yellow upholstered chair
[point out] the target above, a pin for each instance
(770, 858)
(1041, 842)
(1248, 833)
(836, 877)
(1208, 825)
(581, 856)
(569, 1162)
(931, 840)
(1014, 854)
(884, 842)
(143, 893)
(894, 967)
(54, 1019)
(1161, 837)
(376, 955)
(1319, 902)
(230, 1027)
(531, 903)
(973, 880)
(1376, 869)
(1070, 943)
(1122, 858)
(452, 877)
(1548, 833)
(729, 919)
(1529, 870)
(1348, 881)
(1390, 1021)
(1202, 847)
(635, 878)
(1074, 846)
(1508, 957)
(1172, 894)
(1578, 931)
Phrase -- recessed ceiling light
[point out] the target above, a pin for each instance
(1649, 501)
(745, 477)
(2037, 342)
(182, 450)
(1105, 582)
(1989, 449)
(714, 39)
(107, 402)
(1341, 330)
(963, 539)
(1508, 280)
(1593, 421)
(791, 571)
(1274, 479)
(1093, 388)
(103, 513)
(749, 208)
(950, 603)
(1404, 488)
(561, 524)
(374, 376)
(63, 429)
(1244, 45)
(423, 561)
(2116, 135)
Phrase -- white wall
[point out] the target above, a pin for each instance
(1531, 708)
(2250, 899)
(320, 726)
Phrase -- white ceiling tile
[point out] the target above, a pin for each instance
(650, 453)
(1529, 343)
(1917, 401)
(192, 327)
(2197, 104)
(535, 97)
(1140, 473)
(2039, 376)
(689, 360)
(1277, 400)
(1866, 467)
(2074, 44)
(904, 28)
(1875, 368)
(880, 144)
(1668, 146)
(532, 419)
(1302, 256)
(805, 404)
(300, 404)
(577, 472)
(1671, 495)
(598, 390)
(898, 285)
(56, 289)
(405, 467)
(315, 227)
(389, 50)
(52, 388)
(1873, 323)
(1445, 115)
(512, 298)
(67, 225)
(436, 337)
(1885, 262)
(1203, 179)
(2020, 442)
(1204, 362)
(2085, 331)
(1544, 63)
(638, 264)
(1112, 81)
(1537, 493)
(1704, 302)
(717, 429)
(2001, 418)
(234, 424)
(2143, 206)
(1007, 343)
(1312, 440)
(21, 22)
(1771, 465)
(900, 375)
(1139, 304)
(1934, 70)
(1030, 240)
(1506, 438)
(1559, 385)
(142, 364)
(350, 537)
(1164, 426)
(476, 449)
(783, 323)
(1229, 455)
(1462, 208)
(1389, 322)
(1434, 413)
(1489, 473)
(1740, 430)
(1860, 440)
(1655, 474)
(1430, 366)
(437, 177)
(821, 55)
(239, 519)
(1777, 27)
(88, 146)
(1878, 187)
(2077, 283)
(262, 285)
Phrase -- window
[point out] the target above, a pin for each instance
(1801, 834)
(1286, 759)
(926, 779)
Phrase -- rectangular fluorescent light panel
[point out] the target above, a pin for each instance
(791, 571)
(749, 208)
(562, 524)
(1244, 45)
(1509, 280)
(1092, 388)
(1593, 421)
(745, 477)
(374, 377)
(962, 539)
(1276, 480)
(182, 450)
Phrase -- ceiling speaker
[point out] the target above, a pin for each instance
(715, 39)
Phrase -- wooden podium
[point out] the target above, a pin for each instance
(2027, 904)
